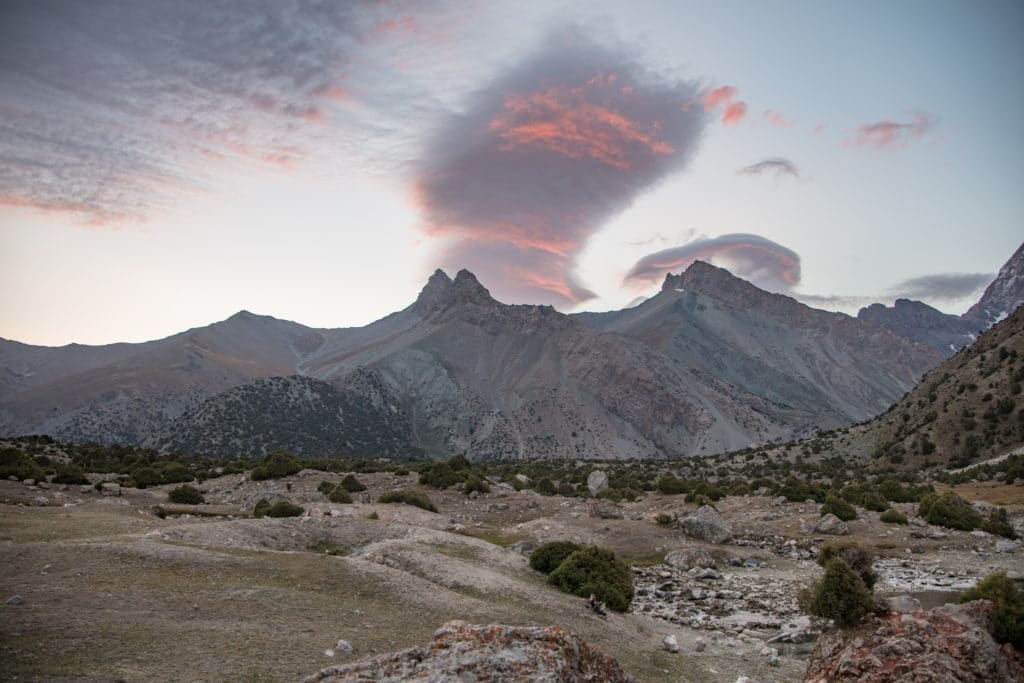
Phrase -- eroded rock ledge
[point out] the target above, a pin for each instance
(465, 652)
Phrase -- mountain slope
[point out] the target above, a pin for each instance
(124, 392)
(297, 414)
(827, 364)
(968, 408)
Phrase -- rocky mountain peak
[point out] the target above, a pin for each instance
(1003, 295)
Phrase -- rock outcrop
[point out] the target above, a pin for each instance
(949, 644)
(463, 652)
(831, 525)
(705, 524)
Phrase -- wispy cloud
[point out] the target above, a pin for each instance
(541, 156)
(777, 167)
(776, 119)
(112, 108)
(765, 263)
(887, 134)
(941, 287)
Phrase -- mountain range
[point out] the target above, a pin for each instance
(944, 333)
(709, 364)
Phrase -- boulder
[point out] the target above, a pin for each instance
(597, 481)
(948, 644)
(831, 525)
(705, 524)
(903, 603)
(606, 509)
(463, 652)
(670, 643)
(690, 556)
(15, 600)
(1006, 545)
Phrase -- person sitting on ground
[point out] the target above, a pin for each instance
(598, 607)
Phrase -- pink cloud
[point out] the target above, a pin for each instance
(724, 97)
(887, 134)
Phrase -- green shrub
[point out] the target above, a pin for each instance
(598, 571)
(619, 495)
(144, 477)
(548, 556)
(795, 490)
(1009, 611)
(440, 475)
(840, 595)
(282, 508)
(998, 523)
(949, 510)
(838, 507)
(275, 466)
(186, 495)
(70, 474)
(351, 484)
(671, 485)
(545, 487)
(475, 483)
(856, 557)
(872, 500)
(892, 516)
(340, 495)
(325, 487)
(664, 518)
(408, 497)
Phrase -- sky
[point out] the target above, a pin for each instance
(164, 165)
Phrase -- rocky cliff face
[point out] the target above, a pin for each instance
(1004, 295)
(951, 644)
(943, 333)
(463, 652)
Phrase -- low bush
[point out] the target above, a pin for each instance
(598, 571)
(548, 556)
(856, 557)
(475, 483)
(282, 508)
(1009, 611)
(619, 495)
(408, 497)
(998, 523)
(892, 516)
(949, 510)
(186, 495)
(325, 487)
(351, 484)
(664, 518)
(840, 595)
(838, 507)
(275, 466)
(671, 485)
(339, 495)
(70, 474)
(544, 487)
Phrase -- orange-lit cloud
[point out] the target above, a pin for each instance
(561, 120)
(515, 185)
(890, 134)
(762, 261)
(724, 98)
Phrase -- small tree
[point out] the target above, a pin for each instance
(595, 571)
(840, 595)
(949, 510)
(340, 495)
(857, 557)
(475, 483)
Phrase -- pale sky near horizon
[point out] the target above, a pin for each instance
(164, 165)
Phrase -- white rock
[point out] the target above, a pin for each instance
(597, 481)
(670, 643)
